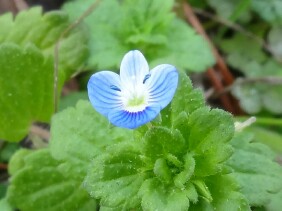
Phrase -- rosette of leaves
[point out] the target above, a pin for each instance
(27, 45)
(255, 94)
(178, 164)
(147, 25)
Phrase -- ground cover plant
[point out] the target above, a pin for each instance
(140, 105)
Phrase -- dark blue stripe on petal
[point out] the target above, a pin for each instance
(102, 97)
(132, 120)
(162, 84)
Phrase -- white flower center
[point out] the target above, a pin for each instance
(135, 99)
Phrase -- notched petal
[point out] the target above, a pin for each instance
(162, 84)
(101, 94)
(133, 68)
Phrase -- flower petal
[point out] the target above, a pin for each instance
(133, 69)
(162, 85)
(133, 120)
(102, 95)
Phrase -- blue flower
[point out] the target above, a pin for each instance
(137, 95)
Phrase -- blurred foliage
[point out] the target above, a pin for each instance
(255, 170)
(117, 27)
(254, 64)
(7, 150)
(71, 99)
(254, 49)
(26, 58)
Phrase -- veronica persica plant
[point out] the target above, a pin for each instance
(137, 95)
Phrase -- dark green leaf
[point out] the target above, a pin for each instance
(26, 85)
(39, 184)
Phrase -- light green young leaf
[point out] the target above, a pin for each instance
(275, 202)
(186, 99)
(152, 29)
(31, 26)
(4, 205)
(26, 85)
(78, 134)
(39, 184)
(258, 175)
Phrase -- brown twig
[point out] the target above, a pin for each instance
(39, 131)
(20, 5)
(193, 20)
(3, 166)
(235, 27)
(56, 51)
(225, 100)
(216, 81)
(241, 81)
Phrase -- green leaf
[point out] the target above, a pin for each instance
(275, 202)
(39, 184)
(31, 26)
(26, 49)
(226, 195)
(209, 133)
(160, 140)
(268, 10)
(71, 99)
(185, 99)
(80, 133)
(232, 9)
(268, 137)
(255, 170)
(275, 41)
(157, 196)
(5, 206)
(26, 85)
(3, 189)
(7, 150)
(254, 63)
(116, 176)
(180, 38)
(154, 30)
